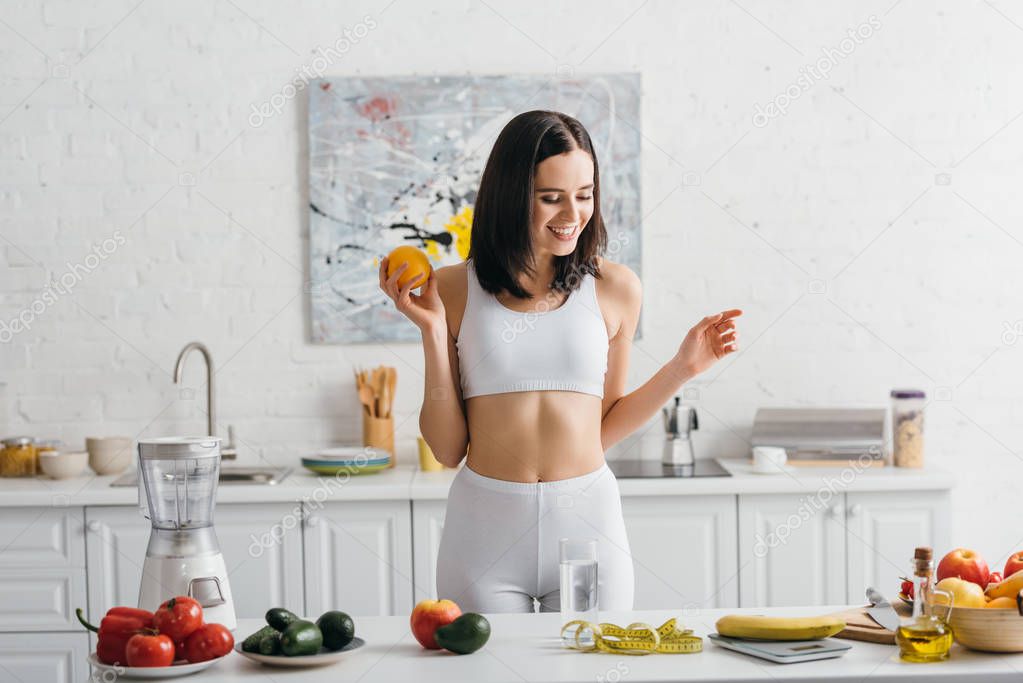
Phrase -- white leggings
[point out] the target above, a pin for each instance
(499, 548)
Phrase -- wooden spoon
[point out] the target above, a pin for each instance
(385, 402)
(392, 382)
(366, 398)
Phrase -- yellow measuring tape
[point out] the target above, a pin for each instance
(635, 639)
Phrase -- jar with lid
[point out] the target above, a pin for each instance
(18, 457)
(908, 427)
(47, 446)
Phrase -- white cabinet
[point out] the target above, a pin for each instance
(683, 550)
(54, 658)
(827, 548)
(427, 526)
(883, 530)
(116, 540)
(262, 547)
(261, 544)
(791, 550)
(42, 569)
(42, 537)
(358, 558)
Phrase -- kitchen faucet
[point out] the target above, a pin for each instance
(227, 452)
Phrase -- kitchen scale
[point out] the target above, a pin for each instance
(784, 651)
(654, 469)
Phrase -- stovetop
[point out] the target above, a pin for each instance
(650, 469)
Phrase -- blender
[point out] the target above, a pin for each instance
(177, 492)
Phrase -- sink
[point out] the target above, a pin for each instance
(262, 476)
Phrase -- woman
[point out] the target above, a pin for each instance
(527, 348)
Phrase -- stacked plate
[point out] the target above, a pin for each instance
(348, 459)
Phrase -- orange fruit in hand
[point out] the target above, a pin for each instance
(418, 264)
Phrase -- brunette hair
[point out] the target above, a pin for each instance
(500, 246)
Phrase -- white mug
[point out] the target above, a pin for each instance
(769, 459)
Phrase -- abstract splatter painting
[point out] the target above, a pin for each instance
(397, 160)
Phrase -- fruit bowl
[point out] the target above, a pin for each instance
(988, 630)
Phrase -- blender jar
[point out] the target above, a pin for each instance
(180, 477)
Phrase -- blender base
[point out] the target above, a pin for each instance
(203, 577)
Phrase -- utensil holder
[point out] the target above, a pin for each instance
(378, 432)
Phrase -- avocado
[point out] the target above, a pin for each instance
(251, 644)
(301, 638)
(270, 644)
(280, 618)
(464, 635)
(338, 629)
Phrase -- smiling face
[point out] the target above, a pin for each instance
(562, 202)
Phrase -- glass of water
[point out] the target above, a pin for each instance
(578, 584)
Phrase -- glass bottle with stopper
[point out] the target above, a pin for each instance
(926, 635)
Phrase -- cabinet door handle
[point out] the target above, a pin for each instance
(94, 526)
(855, 510)
(312, 520)
(835, 511)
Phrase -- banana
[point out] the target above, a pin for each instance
(778, 628)
(1009, 587)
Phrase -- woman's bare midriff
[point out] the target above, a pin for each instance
(534, 436)
(525, 436)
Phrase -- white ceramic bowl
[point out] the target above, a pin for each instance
(63, 464)
(109, 454)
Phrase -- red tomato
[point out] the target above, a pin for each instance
(907, 588)
(149, 650)
(178, 617)
(209, 642)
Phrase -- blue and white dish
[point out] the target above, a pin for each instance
(352, 454)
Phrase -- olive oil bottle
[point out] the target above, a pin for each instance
(926, 636)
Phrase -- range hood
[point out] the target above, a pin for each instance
(823, 435)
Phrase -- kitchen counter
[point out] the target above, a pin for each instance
(525, 647)
(434, 485)
(405, 482)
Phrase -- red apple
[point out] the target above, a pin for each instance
(965, 564)
(994, 577)
(428, 616)
(1013, 564)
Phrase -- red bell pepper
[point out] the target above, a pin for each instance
(114, 631)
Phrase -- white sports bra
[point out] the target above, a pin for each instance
(502, 351)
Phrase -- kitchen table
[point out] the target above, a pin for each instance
(525, 647)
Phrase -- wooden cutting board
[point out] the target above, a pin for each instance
(859, 626)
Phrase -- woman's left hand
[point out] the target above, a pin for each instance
(710, 340)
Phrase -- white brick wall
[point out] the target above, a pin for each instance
(104, 107)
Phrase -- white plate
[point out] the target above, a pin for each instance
(172, 671)
(322, 658)
(784, 469)
(351, 453)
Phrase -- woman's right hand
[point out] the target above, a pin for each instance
(425, 309)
